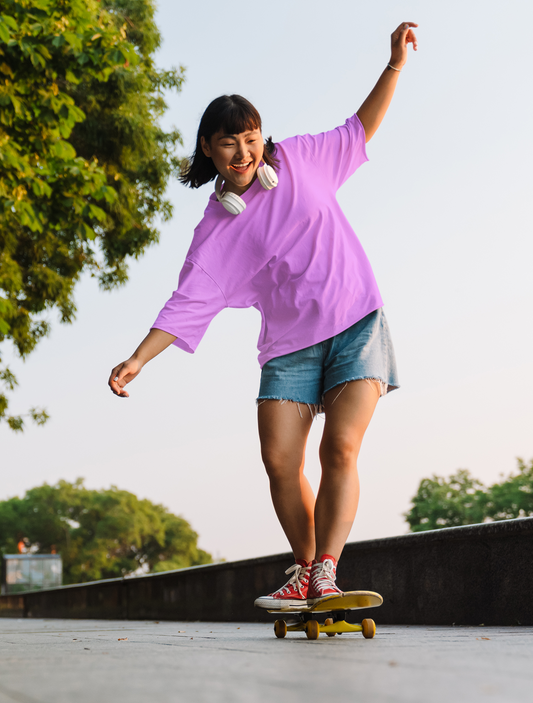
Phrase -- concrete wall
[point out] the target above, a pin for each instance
(478, 574)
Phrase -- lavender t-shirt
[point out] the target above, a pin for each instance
(291, 254)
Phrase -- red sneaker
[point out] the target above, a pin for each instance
(322, 582)
(293, 593)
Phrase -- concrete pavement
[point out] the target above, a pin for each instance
(102, 661)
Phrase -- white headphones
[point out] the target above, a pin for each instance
(233, 203)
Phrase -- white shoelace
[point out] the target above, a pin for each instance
(325, 576)
(294, 579)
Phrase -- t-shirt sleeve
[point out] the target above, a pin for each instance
(337, 153)
(191, 308)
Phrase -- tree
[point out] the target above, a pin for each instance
(83, 161)
(463, 500)
(441, 502)
(513, 496)
(99, 534)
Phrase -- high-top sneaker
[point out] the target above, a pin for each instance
(322, 581)
(293, 593)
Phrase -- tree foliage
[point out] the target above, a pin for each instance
(463, 500)
(99, 534)
(84, 162)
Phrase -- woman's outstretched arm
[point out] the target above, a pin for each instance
(152, 345)
(373, 110)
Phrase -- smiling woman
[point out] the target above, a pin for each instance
(324, 341)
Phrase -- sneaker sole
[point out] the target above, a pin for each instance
(279, 603)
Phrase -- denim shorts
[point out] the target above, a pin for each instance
(363, 351)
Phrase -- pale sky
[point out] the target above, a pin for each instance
(443, 209)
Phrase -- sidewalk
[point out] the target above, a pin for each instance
(90, 661)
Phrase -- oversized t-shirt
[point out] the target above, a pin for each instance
(291, 254)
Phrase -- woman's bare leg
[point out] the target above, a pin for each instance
(283, 433)
(348, 413)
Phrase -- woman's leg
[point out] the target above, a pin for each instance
(348, 413)
(283, 433)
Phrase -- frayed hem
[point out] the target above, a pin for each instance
(314, 408)
(384, 387)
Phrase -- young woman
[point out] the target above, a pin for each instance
(274, 237)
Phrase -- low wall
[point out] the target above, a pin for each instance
(472, 575)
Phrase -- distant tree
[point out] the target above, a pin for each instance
(84, 162)
(99, 534)
(441, 502)
(513, 496)
(463, 500)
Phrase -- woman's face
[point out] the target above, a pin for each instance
(236, 157)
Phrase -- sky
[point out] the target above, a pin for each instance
(443, 209)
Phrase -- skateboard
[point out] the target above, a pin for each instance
(335, 607)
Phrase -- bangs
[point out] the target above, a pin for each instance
(239, 118)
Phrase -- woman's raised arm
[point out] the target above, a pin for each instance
(373, 110)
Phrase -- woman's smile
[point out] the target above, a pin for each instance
(241, 168)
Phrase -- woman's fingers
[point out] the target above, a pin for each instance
(117, 380)
(409, 35)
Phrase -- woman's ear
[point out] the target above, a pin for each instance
(205, 147)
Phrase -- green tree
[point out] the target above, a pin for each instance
(84, 162)
(441, 502)
(99, 534)
(463, 500)
(512, 497)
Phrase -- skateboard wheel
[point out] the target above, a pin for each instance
(280, 628)
(329, 621)
(369, 628)
(312, 630)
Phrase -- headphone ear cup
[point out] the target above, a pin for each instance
(230, 201)
(267, 177)
(233, 203)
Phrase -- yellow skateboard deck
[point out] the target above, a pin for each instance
(349, 600)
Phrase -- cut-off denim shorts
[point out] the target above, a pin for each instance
(363, 351)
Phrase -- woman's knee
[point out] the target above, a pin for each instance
(281, 465)
(340, 452)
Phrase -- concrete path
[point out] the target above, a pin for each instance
(99, 661)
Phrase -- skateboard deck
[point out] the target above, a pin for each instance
(349, 600)
(336, 606)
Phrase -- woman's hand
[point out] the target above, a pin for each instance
(123, 374)
(152, 345)
(400, 38)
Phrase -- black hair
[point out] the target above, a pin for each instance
(233, 114)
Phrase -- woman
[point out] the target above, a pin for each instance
(274, 237)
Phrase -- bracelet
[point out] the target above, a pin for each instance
(394, 69)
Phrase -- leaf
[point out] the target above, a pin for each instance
(71, 78)
(64, 150)
(5, 34)
(9, 21)
(97, 212)
(73, 40)
(6, 70)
